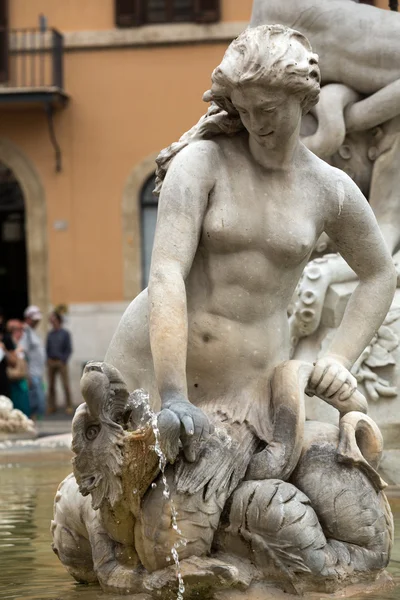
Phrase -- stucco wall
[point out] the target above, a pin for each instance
(123, 107)
(75, 15)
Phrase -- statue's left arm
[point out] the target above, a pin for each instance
(351, 224)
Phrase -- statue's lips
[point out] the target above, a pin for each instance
(262, 135)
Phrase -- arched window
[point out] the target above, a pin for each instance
(148, 208)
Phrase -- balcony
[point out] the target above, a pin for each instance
(31, 68)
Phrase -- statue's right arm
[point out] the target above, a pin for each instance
(182, 206)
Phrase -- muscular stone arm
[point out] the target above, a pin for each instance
(375, 109)
(183, 202)
(353, 228)
(331, 130)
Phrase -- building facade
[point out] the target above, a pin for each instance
(82, 118)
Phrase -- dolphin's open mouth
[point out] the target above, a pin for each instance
(88, 484)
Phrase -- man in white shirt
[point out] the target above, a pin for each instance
(35, 355)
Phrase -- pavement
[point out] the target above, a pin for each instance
(54, 436)
(54, 424)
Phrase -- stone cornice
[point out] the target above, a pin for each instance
(154, 35)
(148, 35)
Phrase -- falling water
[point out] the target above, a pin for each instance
(142, 398)
(167, 494)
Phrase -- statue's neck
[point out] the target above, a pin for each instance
(280, 158)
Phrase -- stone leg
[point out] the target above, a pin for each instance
(85, 548)
(272, 523)
(196, 518)
(198, 492)
(70, 537)
(339, 533)
(348, 501)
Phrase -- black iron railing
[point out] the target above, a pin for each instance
(31, 58)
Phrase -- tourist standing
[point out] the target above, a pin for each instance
(7, 358)
(18, 373)
(35, 355)
(58, 350)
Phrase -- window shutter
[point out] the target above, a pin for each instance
(206, 11)
(128, 13)
(3, 41)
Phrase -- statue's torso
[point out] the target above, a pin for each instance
(257, 234)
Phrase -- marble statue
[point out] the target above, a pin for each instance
(194, 467)
(356, 127)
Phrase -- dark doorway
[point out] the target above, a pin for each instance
(13, 267)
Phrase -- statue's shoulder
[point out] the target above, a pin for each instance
(334, 182)
(201, 153)
(201, 147)
(322, 171)
(340, 190)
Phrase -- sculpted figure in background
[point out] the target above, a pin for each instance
(357, 45)
(242, 205)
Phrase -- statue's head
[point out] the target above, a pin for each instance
(269, 77)
(97, 433)
(112, 439)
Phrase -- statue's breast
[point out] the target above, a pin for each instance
(247, 214)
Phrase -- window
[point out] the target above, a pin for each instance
(132, 13)
(148, 207)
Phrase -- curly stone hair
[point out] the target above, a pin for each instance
(272, 55)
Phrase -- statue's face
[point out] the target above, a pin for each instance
(97, 445)
(102, 428)
(270, 115)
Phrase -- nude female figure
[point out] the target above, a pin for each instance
(242, 205)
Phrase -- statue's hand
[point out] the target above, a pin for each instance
(179, 419)
(330, 378)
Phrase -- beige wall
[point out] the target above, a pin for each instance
(75, 15)
(123, 107)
